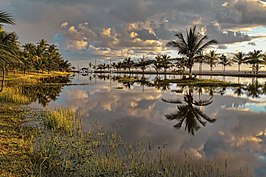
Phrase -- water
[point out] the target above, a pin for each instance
(235, 128)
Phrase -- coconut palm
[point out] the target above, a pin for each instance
(224, 61)
(255, 58)
(157, 65)
(128, 63)
(190, 112)
(165, 62)
(211, 59)
(190, 46)
(143, 64)
(9, 52)
(239, 58)
(200, 59)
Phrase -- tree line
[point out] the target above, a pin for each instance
(29, 57)
(191, 48)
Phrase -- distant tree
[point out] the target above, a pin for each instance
(165, 61)
(239, 58)
(255, 58)
(128, 63)
(211, 58)
(191, 46)
(224, 61)
(143, 64)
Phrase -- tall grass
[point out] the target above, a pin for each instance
(99, 153)
(62, 120)
(13, 95)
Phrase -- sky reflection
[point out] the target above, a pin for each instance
(138, 113)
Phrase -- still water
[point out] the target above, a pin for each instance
(223, 123)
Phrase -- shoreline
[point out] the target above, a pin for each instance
(203, 73)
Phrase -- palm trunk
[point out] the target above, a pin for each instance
(3, 78)
(238, 68)
(190, 72)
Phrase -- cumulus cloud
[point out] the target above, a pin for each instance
(118, 24)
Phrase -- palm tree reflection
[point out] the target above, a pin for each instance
(190, 112)
(253, 89)
(49, 90)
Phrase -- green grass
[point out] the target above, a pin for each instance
(100, 153)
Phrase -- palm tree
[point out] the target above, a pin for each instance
(255, 58)
(190, 46)
(211, 59)
(200, 60)
(224, 61)
(9, 52)
(143, 64)
(165, 62)
(239, 58)
(128, 63)
(157, 65)
(190, 112)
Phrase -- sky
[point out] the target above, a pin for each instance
(104, 29)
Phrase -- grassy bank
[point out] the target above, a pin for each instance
(31, 78)
(186, 82)
(16, 140)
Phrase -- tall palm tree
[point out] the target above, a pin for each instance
(239, 58)
(200, 59)
(190, 112)
(255, 58)
(128, 63)
(165, 62)
(191, 45)
(143, 64)
(9, 52)
(225, 61)
(157, 64)
(211, 59)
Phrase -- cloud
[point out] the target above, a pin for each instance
(117, 24)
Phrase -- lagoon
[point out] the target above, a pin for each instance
(137, 113)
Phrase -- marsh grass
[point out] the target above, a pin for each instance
(13, 95)
(62, 120)
(105, 154)
(16, 142)
(63, 151)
